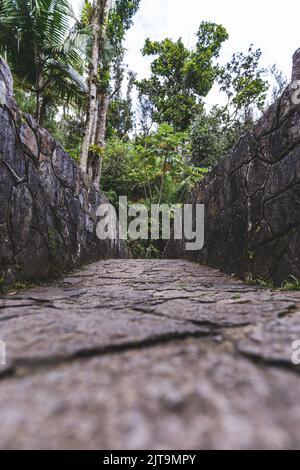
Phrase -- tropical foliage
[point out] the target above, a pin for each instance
(180, 77)
(153, 169)
(45, 46)
(149, 138)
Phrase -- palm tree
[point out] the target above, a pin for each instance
(45, 48)
(99, 23)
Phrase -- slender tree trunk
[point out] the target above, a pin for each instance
(145, 191)
(39, 99)
(39, 88)
(94, 125)
(92, 96)
(38, 107)
(150, 192)
(100, 135)
(103, 104)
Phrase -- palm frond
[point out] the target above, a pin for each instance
(43, 38)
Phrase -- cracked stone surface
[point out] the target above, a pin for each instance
(149, 354)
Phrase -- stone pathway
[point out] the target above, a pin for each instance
(149, 355)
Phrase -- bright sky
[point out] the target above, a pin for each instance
(270, 25)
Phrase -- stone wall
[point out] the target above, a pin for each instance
(47, 204)
(252, 199)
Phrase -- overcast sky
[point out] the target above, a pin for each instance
(270, 25)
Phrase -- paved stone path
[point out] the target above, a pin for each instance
(149, 354)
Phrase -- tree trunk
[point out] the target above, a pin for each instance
(39, 99)
(100, 135)
(38, 107)
(94, 125)
(39, 87)
(103, 104)
(92, 96)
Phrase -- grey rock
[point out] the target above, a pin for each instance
(46, 141)
(6, 185)
(6, 81)
(31, 121)
(34, 259)
(50, 185)
(10, 150)
(283, 211)
(21, 215)
(6, 248)
(63, 167)
(145, 354)
(284, 174)
(272, 342)
(29, 141)
(296, 66)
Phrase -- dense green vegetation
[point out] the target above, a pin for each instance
(70, 73)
